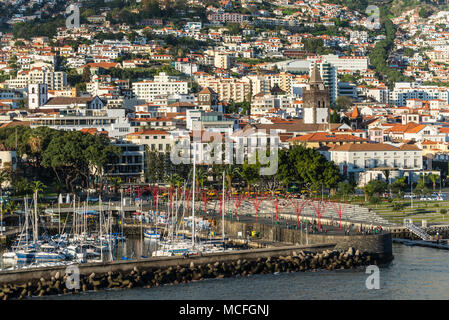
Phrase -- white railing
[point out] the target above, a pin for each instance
(417, 231)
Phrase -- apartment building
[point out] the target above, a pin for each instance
(111, 121)
(232, 17)
(223, 60)
(156, 140)
(54, 80)
(131, 164)
(404, 91)
(161, 85)
(353, 63)
(228, 89)
(328, 74)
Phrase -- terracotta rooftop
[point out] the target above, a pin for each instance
(328, 137)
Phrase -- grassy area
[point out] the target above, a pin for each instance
(421, 210)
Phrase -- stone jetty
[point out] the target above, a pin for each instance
(297, 261)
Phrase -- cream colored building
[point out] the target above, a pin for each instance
(228, 89)
(161, 85)
(53, 80)
(156, 140)
(223, 60)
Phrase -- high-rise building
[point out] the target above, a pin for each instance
(328, 74)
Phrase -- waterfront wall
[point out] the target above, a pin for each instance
(378, 244)
(21, 276)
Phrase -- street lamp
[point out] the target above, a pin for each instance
(322, 192)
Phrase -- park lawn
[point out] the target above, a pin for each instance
(422, 210)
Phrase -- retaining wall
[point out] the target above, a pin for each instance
(378, 244)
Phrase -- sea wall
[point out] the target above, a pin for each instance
(378, 244)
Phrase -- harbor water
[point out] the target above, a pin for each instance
(415, 273)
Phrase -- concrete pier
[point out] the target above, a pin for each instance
(22, 276)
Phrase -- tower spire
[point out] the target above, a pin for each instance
(315, 77)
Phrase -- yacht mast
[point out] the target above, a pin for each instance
(223, 212)
(101, 232)
(193, 197)
(25, 199)
(35, 219)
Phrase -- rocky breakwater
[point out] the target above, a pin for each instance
(300, 261)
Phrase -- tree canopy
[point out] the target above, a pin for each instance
(68, 157)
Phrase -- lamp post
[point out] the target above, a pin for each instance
(322, 191)
(411, 191)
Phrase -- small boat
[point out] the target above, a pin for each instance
(151, 234)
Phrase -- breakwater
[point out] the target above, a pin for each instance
(173, 270)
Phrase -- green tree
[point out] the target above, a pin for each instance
(346, 188)
(343, 103)
(398, 186)
(374, 187)
(433, 177)
(74, 156)
(335, 117)
(201, 176)
(86, 75)
(307, 167)
(250, 173)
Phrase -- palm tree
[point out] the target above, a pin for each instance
(174, 180)
(433, 178)
(116, 182)
(386, 173)
(11, 206)
(4, 177)
(37, 186)
(178, 180)
(201, 176)
(230, 173)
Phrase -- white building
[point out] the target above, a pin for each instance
(405, 90)
(162, 84)
(352, 63)
(354, 160)
(112, 121)
(54, 80)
